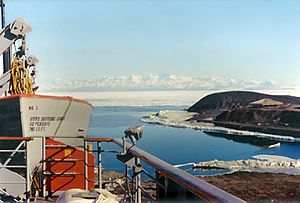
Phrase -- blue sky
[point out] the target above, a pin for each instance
(248, 40)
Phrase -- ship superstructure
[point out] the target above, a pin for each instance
(23, 113)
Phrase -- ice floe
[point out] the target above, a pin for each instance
(274, 145)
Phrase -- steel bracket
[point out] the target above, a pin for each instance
(128, 159)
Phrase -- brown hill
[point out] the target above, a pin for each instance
(233, 110)
(262, 117)
(214, 104)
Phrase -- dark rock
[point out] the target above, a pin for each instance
(232, 110)
(236, 99)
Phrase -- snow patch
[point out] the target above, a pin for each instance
(267, 157)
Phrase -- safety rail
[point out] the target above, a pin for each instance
(99, 153)
(193, 184)
(15, 138)
(198, 187)
(23, 142)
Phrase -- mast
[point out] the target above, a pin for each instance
(7, 53)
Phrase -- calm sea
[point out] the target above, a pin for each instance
(176, 145)
(114, 112)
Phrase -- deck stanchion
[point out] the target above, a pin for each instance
(27, 192)
(126, 167)
(124, 144)
(86, 183)
(43, 166)
(127, 181)
(138, 192)
(99, 165)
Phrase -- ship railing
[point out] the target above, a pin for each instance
(20, 148)
(131, 156)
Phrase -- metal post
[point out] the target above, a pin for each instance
(86, 183)
(138, 192)
(27, 192)
(124, 145)
(99, 165)
(43, 166)
(126, 168)
(126, 180)
(7, 53)
(2, 14)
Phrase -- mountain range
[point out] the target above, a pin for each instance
(157, 82)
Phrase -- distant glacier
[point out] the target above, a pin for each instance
(151, 82)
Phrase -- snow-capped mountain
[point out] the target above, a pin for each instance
(157, 82)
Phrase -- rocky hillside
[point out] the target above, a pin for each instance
(271, 117)
(216, 103)
(232, 110)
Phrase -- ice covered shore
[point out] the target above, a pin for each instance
(258, 163)
(180, 119)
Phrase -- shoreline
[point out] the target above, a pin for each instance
(263, 129)
(182, 119)
(258, 163)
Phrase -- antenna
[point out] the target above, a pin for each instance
(7, 53)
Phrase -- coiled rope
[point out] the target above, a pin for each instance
(20, 82)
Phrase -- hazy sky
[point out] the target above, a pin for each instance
(243, 39)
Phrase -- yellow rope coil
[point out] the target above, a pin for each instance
(20, 82)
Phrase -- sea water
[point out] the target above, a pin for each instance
(114, 112)
(176, 145)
